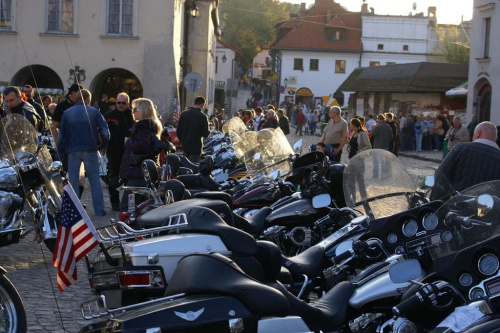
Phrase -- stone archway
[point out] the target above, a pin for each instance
(38, 76)
(482, 91)
(113, 81)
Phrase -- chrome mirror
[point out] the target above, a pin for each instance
(484, 204)
(405, 271)
(321, 200)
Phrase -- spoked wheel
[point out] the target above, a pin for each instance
(12, 313)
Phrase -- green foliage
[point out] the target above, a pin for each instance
(453, 44)
(250, 24)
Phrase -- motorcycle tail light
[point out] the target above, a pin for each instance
(124, 216)
(141, 279)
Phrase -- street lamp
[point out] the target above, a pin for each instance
(193, 9)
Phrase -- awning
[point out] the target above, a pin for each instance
(460, 91)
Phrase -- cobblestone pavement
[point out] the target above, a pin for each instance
(48, 310)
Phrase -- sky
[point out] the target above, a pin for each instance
(447, 11)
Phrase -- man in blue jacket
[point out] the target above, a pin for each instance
(192, 128)
(82, 132)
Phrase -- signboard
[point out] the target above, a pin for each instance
(193, 82)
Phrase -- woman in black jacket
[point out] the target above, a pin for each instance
(139, 143)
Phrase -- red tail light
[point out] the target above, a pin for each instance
(130, 280)
(124, 216)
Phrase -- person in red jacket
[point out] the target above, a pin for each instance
(300, 120)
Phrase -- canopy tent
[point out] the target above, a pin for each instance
(460, 91)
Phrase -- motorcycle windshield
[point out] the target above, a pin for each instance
(18, 141)
(471, 217)
(376, 183)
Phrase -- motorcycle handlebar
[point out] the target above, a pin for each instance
(407, 305)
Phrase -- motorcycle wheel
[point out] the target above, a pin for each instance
(12, 313)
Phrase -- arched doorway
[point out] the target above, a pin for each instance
(483, 100)
(114, 81)
(304, 96)
(38, 76)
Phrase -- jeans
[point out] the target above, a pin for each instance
(437, 141)
(418, 139)
(91, 164)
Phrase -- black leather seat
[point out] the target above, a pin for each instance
(214, 273)
(157, 217)
(254, 224)
(311, 262)
(205, 220)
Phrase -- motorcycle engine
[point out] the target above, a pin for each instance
(299, 236)
(8, 203)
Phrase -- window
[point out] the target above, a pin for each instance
(405, 47)
(339, 66)
(298, 64)
(120, 17)
(390, 63)
(487, 31)
(5, 14)
(60, 16)
(313, 64)
(334, 34)
(374, 63)
(380, 46)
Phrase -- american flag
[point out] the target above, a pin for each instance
(76, 236)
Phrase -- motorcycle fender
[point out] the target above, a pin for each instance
(377, 288)
(2, 270)
(294, 210)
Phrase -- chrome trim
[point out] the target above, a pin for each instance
(406, 224)
(482, 257)
(151, 273)
(306, 281)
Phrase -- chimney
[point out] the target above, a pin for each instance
(431, 10)
(303, 9)
(364, 8)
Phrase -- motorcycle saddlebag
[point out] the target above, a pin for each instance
(193, 314)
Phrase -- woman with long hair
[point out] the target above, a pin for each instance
(359, 140)
(139, 143)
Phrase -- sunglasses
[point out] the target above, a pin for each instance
(122, 103)
(136, 110)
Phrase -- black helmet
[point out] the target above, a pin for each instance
(206, 165)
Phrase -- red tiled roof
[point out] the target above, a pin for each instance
(309, 32)
(238, 53)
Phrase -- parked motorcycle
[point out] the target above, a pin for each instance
(12, 312)
(28, 177)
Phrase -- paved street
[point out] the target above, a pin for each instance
(48, 310)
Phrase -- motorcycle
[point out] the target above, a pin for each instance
(29, 176)
(460, 293)
(12, 312)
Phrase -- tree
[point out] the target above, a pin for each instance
(248, 25)
(453, 44)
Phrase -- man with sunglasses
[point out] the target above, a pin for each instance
(120, 121)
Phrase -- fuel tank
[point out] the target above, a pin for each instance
(299, 212)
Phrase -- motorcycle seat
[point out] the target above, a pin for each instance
(205, 220)
(188, 164)
(213, 273)
(311, 262)
(217, 195)
(157, 217)
(254, 224)
(326, 314)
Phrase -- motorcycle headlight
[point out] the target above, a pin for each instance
(8, 177)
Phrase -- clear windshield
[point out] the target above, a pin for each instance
(18, 140)
(376, 180)
(264, 151)
(473, 216)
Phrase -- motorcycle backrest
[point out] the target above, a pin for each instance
(405, 271)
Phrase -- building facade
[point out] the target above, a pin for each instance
(144, 48)
(484, 65)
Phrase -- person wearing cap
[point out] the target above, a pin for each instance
(335, 133)
(58, 112)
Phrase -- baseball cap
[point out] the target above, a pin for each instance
(74, 88)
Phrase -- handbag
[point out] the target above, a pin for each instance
(156, 147)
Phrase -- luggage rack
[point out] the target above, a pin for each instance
(96, 308)
(116, 233)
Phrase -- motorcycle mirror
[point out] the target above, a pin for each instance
(221, 177)
(321, 200)
(405, 271)
(55, 166)
(273, 175)
(344, 247)
(485, 203)
(297, 145)
(427, 182)
(256, 157)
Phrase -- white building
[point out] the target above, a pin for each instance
(484, 65)
(144, 48)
